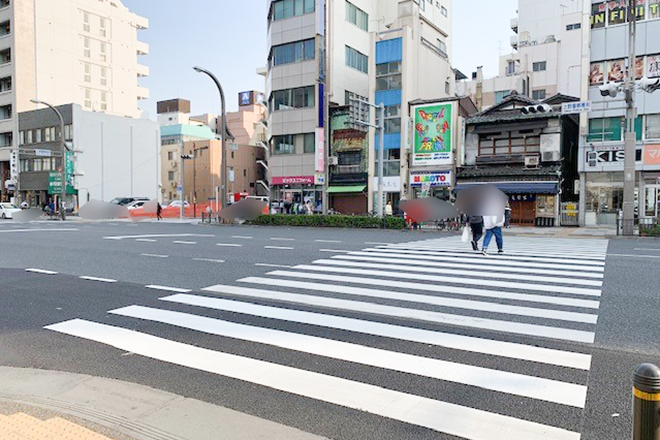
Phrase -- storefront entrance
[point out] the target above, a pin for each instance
(523, 212)
(652, 201)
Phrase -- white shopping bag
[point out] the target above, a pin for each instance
(467, 234)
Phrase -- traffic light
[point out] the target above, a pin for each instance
(610, 89)
(649, 85)
(539, 108)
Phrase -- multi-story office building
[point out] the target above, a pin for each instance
(602, 146)
(62, 52)
(321, 52)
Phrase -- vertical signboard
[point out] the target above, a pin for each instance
(13, 165)
(433, 125)
(320, 151)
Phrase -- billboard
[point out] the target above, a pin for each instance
(653, 66)
(432, 144)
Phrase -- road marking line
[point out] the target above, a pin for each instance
(282, 239)
(169, 289)
(457, 420)
(532, 387)
(327, 241)
(122, 237)
(155, 255)
(184, 242)
(335, 250)
(404, 313)
(271, 265)
(103, 280)
(211, 260)
(463, 304)
(455, 280)
(529, 254)
(41, 230)
(245, 237)
(229, 244)
(378, 243)
(147, 240)
(279, 247)
(436, 288)
(41, 271)
(469, 273)
(634, 256)
(444, 264)
(513, 350)
(647, 249)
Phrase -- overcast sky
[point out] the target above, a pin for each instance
(228, 37)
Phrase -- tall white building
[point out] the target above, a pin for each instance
(82, 52)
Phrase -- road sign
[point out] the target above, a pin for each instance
(569, 108)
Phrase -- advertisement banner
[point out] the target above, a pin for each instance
(432, 143)
(616, 70)
(654, 8)
(320, 151)
(598, 14)
(597, 74)
(651, 154)
(293, 180)
(653, 66)
(616, 12)
(639, 67)
(432, 178)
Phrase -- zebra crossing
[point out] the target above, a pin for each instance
(513, 326)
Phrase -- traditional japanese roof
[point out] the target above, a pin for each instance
(499, 171)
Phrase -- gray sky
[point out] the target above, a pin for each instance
(228, 37)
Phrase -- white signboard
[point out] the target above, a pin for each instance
(569, 108)
(46, 153)
(390, 184)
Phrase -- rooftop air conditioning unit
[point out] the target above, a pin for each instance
(550, 156)
(532, 162)
(333, 160)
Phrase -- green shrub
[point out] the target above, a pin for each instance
(329, 221)
(649, 231)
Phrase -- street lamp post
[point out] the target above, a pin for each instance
(64, 148)
(225, 133)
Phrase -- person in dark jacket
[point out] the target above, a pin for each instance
(159, 210)
(477, 225)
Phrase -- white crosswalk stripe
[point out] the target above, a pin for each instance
(535, 307)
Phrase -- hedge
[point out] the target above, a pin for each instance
(329, 221)
(649, 231)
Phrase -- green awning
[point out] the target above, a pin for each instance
(346, 189)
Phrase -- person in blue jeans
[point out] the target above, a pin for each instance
(493, 225)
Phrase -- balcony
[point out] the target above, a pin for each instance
(142, 93)
(514, 25)
(142, 70)
(142, 48)
(514, 41)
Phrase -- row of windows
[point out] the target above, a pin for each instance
(103, 49)
(392, 119)
(616, 12)
(540, 66)
(422, 6)
(300, 97)
(102, 103)
(102, 21)
(41, 164)
(507, 144)
(357, 16)
(103, 73)
(571, 27)
(286, 144)
(294, 52)
(615, 70)
(48, 134)
(357, 60)
(283, 9)
(612, 129)
(388, 76)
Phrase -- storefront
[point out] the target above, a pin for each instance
(391, 193)
(431, 184)
(290, 193)
(349, 199)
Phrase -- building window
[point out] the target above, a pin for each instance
(392, 119)
(284, 144)
(357, 60)
(447, 85)
(170, 175)
(37, 136)
(571, 27)
(102, 51)
(5, 56)
(68, 135)
(6, 139)
(86, 21)
(283, 9)
(21, 138)
(309, 143)
(605, 129)
(422, 5)
(357, 16)
(244, 172)
(29, 137)
(47, 135)
(104, 76)
(88, 98)
(87, 52)
(4, 3)
(294, 52)
(170, 155)
(388, 76)
(539, 67)
(5, 28)
(442, 47)
(5, 84)
(301, 97)
(88, 72)
(506, 144)
(510, 68)
(652, 130)
(538, 94)
(102, 29)
(104, 100)
(500, 96)
(443, 11)
(5, 112)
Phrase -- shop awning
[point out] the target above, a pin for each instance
(346, 189)
(517, 187)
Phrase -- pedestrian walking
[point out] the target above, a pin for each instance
(507, 215)
(310, 208)
(493, 225)
(476, 223)
(159, 211)
(388, 209)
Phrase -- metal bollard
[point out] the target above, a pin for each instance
(646, 402)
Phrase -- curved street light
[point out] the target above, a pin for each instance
(64, 148)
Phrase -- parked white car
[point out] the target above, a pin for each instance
(7, 209)
(177, 204)
(135, 205)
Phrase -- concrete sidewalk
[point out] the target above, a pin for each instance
(123, 410)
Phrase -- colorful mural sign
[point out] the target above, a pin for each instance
(431, 178)
(598, 14)
(433, 135)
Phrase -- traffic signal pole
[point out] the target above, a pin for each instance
(630, 136)
(381, 157)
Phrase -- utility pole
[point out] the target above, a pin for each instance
(630, 136)
(359, 117)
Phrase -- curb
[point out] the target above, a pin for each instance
(138, 411)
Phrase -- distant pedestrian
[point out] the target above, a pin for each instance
(310, 208)
(25, 205)
(159, 211)
(493, 225)
(52, 209)
(388, 209)
(477, 226)
(507, 215)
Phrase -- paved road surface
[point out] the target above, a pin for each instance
(345, 334)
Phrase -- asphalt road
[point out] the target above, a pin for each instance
(337, 345)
